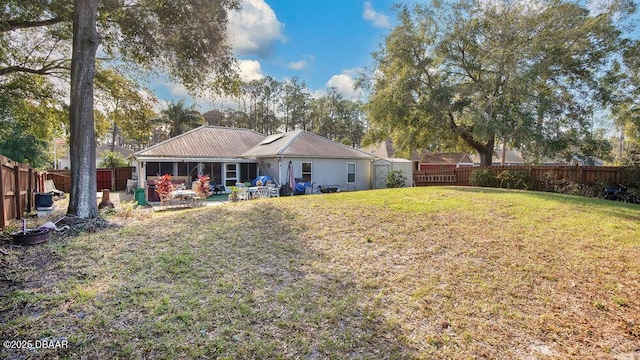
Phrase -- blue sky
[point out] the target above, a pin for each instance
(323, 42)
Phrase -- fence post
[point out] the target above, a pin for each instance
(30, 192)
(16, 192)
(3, 216)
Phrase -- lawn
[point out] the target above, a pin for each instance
(400, 273)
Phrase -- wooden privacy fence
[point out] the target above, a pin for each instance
(113, 179)
(18, 185)
(587, 175)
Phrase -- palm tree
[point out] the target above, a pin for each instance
(180, 119)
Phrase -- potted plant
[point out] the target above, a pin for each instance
(202, 188)
(233, 197)
(164, 186)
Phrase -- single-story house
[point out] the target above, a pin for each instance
(314, 158)
(210, 150)
(231, 155)
(444, 161)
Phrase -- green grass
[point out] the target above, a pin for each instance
(398, 273)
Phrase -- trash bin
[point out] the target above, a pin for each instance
(44, 200)
(139, 196)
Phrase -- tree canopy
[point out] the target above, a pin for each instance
(185, 39)
(530, 74)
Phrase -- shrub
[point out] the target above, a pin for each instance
(396, 179)
(515, 179)
(484, 178)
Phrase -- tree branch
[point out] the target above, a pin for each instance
(6, 26)
(45, 70)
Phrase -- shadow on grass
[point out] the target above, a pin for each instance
(236, 281)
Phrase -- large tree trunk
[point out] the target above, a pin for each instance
(83, 201)
(485, 150)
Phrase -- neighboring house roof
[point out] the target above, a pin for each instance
(117, 148)
(584, 160)
(205, 142)
(300, 143)
(446, 159)
(385, 150)
(512, 157)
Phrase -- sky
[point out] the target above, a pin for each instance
(325, 43)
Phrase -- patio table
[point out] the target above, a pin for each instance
(184, 197)
(258, 191)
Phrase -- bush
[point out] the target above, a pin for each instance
(484, 178)
(515, 179)
(396, 179)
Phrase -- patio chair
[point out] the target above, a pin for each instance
(243, 194)
(130, 185)
(274, 191)
(200, 199)
(49, 186)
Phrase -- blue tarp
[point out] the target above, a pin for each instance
(263, 178)
(301, 187)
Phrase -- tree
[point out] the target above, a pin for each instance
(477, 72)
(30, 117)
(112, 159)
(626, 109)
(185, 38)
(129, 107)
(179, 118)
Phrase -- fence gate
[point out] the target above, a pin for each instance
(103, 179)
(380, 172)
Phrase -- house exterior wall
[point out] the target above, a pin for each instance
(323, 171)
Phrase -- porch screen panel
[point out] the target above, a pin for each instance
(153, 169)
(248, 172)
(214, 170)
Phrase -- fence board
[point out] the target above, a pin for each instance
(18, 185)
(588, 175)
(112, 179)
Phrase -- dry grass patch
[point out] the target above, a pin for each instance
(404, 273)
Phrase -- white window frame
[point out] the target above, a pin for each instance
(355, 172)
(227, 170)
(302, 172)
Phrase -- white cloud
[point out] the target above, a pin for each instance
(344, 83)
(254, 29)
(206, 99)
(250, 70)
(299, 65)
(378, 19)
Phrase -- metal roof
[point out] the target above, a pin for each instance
(302, 143)
(205, 142)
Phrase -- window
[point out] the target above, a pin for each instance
(158, 168)
(231, 174)
(351, 172)
(306, 171)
